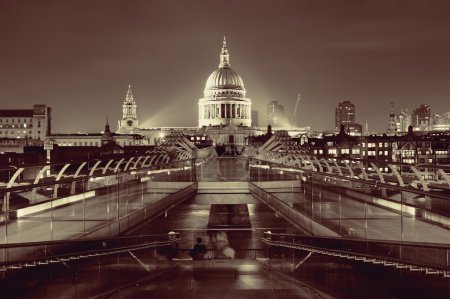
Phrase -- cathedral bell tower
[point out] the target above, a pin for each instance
(392, 125)
(129, 121)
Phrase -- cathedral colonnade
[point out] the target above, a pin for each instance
(223, 113)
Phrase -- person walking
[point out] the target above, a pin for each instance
(199, 250)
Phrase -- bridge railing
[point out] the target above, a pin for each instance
(30, 175)
(351, 206)
(35, 254)
(425, 177)
(88, 268)
(109, 200)
(424, 257)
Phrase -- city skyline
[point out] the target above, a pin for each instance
(79, 58)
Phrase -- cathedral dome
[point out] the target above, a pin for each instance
(224, 81)
(224, 78)
(224, 101)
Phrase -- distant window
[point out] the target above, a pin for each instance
(18, 120)
(408, 161)
(408, 153)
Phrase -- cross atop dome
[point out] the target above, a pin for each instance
(224, 56)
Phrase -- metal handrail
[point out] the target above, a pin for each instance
(106, 248)
(359, 241)
(75, 241)
(367, 257)
(359, 181)
(85, 177)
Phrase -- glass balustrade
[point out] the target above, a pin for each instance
(329, 204)
(95, 199)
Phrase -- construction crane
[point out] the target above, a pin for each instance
(295, 112)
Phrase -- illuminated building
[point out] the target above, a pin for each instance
(275, 114)
(33, 123)
(345, 114)
(225, 114)
(224, 101)
(392, 124)
(404, 120)
(421, 118)
(441, 122)
(129, 121)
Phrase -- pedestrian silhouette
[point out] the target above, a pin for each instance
(199, 250)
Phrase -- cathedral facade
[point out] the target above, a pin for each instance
(224, 101)
(224, 111)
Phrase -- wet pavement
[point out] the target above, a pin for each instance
(190, 219)
(219, 279)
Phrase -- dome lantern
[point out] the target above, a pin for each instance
(224, 56)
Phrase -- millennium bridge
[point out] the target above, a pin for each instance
(277, 223)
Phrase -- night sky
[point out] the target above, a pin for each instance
(79, 57)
